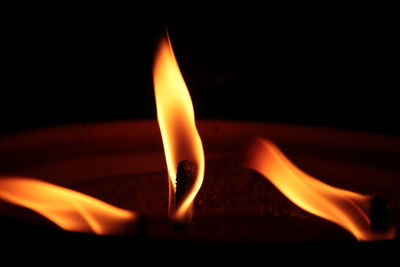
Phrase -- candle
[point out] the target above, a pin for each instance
(122, 163)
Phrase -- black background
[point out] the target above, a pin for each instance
(331, 66)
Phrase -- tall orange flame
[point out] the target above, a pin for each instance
(175, 115)
(345, 208)
(68, 209)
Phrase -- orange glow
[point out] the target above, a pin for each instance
(345, 208)
(70, 210)
(177, 123)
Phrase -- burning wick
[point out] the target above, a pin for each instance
(185, 178)
(183, 148)
(362, 215)
(184, 181)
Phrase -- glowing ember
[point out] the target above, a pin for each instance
(68, 209)
(177, 123)
(345, 208)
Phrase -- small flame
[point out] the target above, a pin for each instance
(175, 115)
(345, 208)
(70, 210)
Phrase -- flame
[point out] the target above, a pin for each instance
(175, 115)
(68, 209)
(345, 208)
